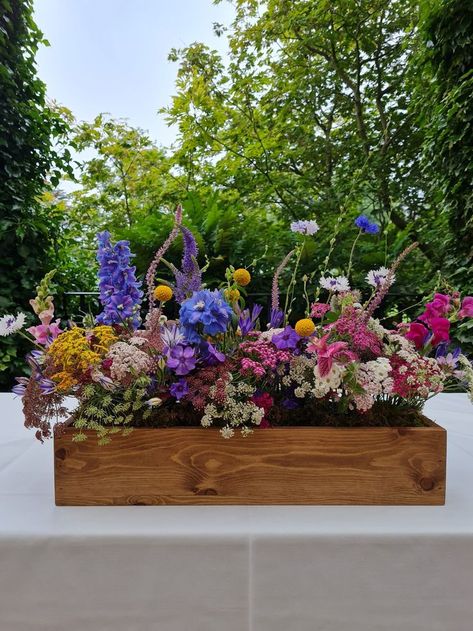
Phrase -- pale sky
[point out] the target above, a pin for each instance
(111, 55)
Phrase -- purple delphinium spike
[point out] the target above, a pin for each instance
(120, 292)
(189, 278)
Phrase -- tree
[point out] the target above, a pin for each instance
(446, 115)
(32, 158)
(311, 114)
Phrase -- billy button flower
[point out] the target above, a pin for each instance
(242, 277)
(304, 327)
(163, 293)
(232, 295)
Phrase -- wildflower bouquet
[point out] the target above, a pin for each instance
(218, 366)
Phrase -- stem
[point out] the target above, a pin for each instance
(350, 262)
(292, 283)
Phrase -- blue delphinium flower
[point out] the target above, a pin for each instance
(120, 292)
(247, 319)
(189, 278)
(365, 225)
(206, 312)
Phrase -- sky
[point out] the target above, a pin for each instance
(111, 55)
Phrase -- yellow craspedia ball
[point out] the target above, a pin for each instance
(242, 277)
(163, 293)
(232, 295)
(305, 327)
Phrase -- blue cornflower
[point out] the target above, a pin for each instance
(365, 225)
(206, 312)
(120, 292)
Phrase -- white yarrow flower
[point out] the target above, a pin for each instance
(332, 283)
(10, 324)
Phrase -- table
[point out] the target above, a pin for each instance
(237, 568)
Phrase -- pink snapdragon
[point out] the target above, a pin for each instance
(437, 308)
(466, 310)
(44, 334)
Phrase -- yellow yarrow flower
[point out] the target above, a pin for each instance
(304, 327)
(163, 293)
(232, 295)
(242, 277)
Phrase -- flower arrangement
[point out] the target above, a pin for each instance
(218, 366)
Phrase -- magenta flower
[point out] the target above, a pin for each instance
(417, 334)
(181, 359)
(437, 308)
(288, 338)
(440, 330)
(467, 308)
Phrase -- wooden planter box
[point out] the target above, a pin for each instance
(286, 465)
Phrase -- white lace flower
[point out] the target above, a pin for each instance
(10, 324)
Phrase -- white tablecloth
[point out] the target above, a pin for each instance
(232, 568)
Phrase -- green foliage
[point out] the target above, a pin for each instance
(31, 151)
(109, 413)
(446, 116)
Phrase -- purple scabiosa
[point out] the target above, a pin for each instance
(206, 312)
(120, 292)
(247, 319)
(365, 225)
(287, 339)
(306, 227)
(179, 389)
(210, 355)
(189, 277)
(181, 359)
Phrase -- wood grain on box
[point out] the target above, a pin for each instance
(287, 465)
